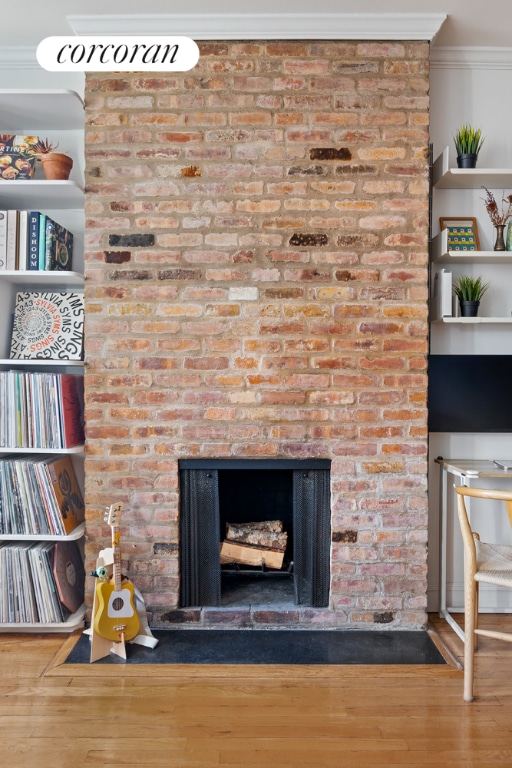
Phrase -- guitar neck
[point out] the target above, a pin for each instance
(116, 535)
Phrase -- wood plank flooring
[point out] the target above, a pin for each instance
(55, 715)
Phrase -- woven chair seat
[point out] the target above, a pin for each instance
(494, 564)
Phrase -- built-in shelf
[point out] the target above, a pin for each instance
(63, 278)
(75, 621)
(444, 177)
(34, 112)
(75, 449)
(40, 363)
(34, 194)
(76, 534)
(25, 110)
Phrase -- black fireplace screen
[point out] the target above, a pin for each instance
(200, 572)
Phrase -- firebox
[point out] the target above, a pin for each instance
(287, 500)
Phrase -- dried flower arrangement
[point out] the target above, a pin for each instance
(498, 217)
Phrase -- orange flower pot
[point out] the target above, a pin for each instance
(56, 165)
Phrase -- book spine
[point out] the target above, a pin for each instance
(42, 241)
(33, 254)
(12, 239)
(49, 246)
(3, 240)
(23, 241)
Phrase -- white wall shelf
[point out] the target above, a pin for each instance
(34, 194)
(40, 363)
(444, 177)
(75, 535)
(75, 449)
(75, 621)
(441, 255)
(45, 109)
(63, 279)
(474, 320)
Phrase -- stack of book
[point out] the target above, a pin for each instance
(39, 495)
(30, 240)
(41, 410)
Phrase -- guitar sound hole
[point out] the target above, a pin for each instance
(117, 603)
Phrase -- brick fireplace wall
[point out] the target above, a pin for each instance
(256, 264)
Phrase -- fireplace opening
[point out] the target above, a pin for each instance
(248, 497)
(221, 500)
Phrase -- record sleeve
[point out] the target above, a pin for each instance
(48, 325)
(69, 574)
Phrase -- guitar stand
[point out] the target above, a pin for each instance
(102, 646)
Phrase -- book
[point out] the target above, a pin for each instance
(67, 494)
(3, 240)
(33, 250)
(58, 246)
(49, 325)
(22, 263)
(71, 409)
(41, 252)
(17, 159)
(442, 295)
(12, 239)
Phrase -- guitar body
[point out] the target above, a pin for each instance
(116, 611)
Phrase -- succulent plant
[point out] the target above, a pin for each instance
(43, 147)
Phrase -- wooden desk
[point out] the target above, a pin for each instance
(465, 470)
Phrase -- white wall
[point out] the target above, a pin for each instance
(472, 88)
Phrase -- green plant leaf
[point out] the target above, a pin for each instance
(468, 140)
(469, 288)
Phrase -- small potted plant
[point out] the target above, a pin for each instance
(56, 165)
(468, 143)
(469, 290)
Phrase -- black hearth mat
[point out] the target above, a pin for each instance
(255, 646)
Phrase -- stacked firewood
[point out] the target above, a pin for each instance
(257, 544)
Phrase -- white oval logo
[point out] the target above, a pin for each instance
(102, 53)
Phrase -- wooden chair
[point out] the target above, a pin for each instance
(483, 562)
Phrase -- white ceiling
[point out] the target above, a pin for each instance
(481, 23)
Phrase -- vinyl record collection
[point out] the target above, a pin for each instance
(31, 591)
(40, 410)
(39, 495)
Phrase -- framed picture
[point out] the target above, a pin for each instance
(462, 233)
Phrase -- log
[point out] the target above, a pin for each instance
(257, 538)
(246, 555)
(272, 526)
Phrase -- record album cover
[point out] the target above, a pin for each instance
(48, 325)
(69, 574)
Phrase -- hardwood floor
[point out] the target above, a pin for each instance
(55, 715)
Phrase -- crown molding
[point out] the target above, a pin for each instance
(18, 57)
(465, 57)
(266, 26)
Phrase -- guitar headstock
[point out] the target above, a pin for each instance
(113, 514)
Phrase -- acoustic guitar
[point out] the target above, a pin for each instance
(116, 617)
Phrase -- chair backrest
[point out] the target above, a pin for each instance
(468, 536)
